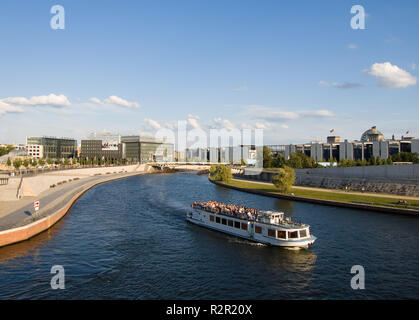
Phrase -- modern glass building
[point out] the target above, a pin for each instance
(51, 147)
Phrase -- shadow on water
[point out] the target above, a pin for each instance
(31, 246)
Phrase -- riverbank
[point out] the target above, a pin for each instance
(20, 222)
(328, 197)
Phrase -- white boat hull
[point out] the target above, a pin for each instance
(202, 218)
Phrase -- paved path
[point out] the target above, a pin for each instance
(380, 195)
(22, 212)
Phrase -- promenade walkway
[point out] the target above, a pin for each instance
(19, 213)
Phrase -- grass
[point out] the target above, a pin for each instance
(327, 195)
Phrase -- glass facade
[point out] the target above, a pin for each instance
(55, 148)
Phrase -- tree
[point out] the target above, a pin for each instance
(278, 161)
(26, 163)
(41, 162)
(267, 157)
(34, 162)
(221, 173)
(9, 162)
(372, 161)
(74, 161)
(284, 180)
(17, 163)
(66, 162)
(49, 161)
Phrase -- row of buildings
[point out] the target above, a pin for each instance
(145, 149)
(371, 143)
(102, 146)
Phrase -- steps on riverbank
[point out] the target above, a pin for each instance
(9, 192)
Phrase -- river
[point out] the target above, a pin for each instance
(128, 239)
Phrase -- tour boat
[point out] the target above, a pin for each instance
(267, 227)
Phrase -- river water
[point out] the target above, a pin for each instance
(128, 239)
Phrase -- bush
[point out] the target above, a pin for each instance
(284, 180)
(221, 173)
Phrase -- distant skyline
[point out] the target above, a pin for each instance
(295, 69)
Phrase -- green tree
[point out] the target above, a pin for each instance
(34, 162)
(41, 162)
(9, 162)
(267, 157)
(49, 161)
(278, 161)
(17, 163)
(221, 173)
(66, 162)
(284, 180)
(372, 161)
(26, 163)
(95, 161)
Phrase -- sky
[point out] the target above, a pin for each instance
(295, 69)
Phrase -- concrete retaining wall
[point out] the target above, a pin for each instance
(323, 202)
(392, 179)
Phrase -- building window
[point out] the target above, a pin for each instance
(258, 229)
(244, 226)
(281, 234)
(303, 233)
(292, 235)
(230, 223)
(217, 219)
(271, 233)
(237, 224)
(212, 218)
(224, 221)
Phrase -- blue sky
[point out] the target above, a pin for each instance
(295, 68)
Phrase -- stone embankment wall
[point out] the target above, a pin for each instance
(34, 185)
(393, 179)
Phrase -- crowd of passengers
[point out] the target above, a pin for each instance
(228, 209)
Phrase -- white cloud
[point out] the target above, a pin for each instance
(7, 108)
(193, 121)
(352, 46)
(346, 85)
(340, 85)
(391, 76)
(273, 115)
(323, 113)
(284, 126)
(95, 100)
(46, 100)
(154, 124)
(224, 123)
(114, 100)
(322, 83)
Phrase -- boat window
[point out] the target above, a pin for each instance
(258, 229)
(281, 234)
(224, 221)
(271, 232)
(293, 234)
(303, 233)
(212, 218)
(230, 223)
(237, 224)
(244, 226)
(217, 219)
